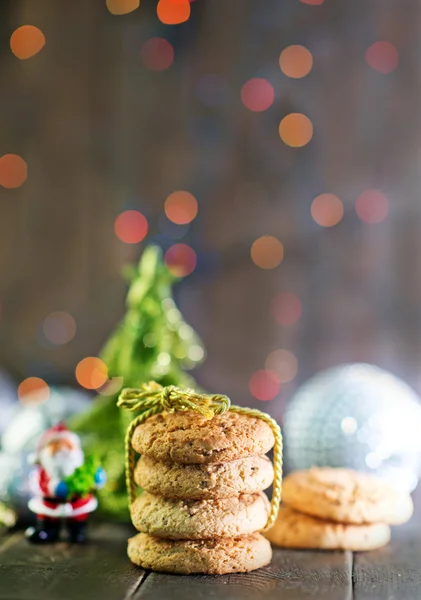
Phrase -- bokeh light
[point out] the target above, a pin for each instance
(296, 61)
(267, 252)
(372, 206)
(296, 130)
(382, 57)
(284, 363)
(173, 12)
(181, 207)
(327, 210)
(26, 41)
(312, 2)
(264, 385)
(286, 308)
(157, 54)
(59, 327)
(131, 226)
(257, 94)
(180, 260)
(122, 7)
(91, 373)
(33, 390)
(111, 386)
(13, 171)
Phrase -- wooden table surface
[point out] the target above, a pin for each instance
(100, 570)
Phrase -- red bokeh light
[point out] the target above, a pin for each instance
(131, 227)
(257, 94)
(286, 308)
(13, 171)
(383, 57)
(157, 54)
(372, 206)
(180, 260)
(264, 385)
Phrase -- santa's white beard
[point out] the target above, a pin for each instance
(61, 464)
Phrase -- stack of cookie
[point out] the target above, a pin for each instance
(335, 509)
(202, 503)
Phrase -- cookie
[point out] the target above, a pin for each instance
(296, 530)
(200, 519)
(212, 480)
(214, 557)
(346, 496)
(188, 437)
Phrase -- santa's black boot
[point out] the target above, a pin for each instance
(46, 531)
(77, 531)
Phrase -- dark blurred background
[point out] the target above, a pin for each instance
(107, 122)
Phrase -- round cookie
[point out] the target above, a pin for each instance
(211, 480)
(296, 530)
(200, 519)
(214, 557)
(188, 437)
(346, 496)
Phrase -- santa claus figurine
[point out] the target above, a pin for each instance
(64, 484)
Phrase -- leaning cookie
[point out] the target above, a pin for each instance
(346, 496)
(296, 530)
(190, 438)
(200, 519)
(213, 480)
(213, 557)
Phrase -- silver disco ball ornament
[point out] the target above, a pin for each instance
(357, 416)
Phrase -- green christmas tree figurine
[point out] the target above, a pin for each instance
(152, 342)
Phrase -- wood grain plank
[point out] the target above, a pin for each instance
(292, 575)
(99, 570)
(394, 572)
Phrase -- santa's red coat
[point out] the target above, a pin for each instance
(47, 504)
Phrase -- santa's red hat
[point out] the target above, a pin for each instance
(57, 432)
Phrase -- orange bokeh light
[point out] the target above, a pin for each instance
(181, 207)
(26, 41)
(33, 390)
(312, 2)
(382, 57)
(13, 171)
(296, 61)
(296, 130)
(283, 363)
(264, 385)
(180, 260)
(173, 12)
(327, 210)
(91, 373)
(372, 206)
(131, 226)
(267, 252)
(286, 308)
(122, 7)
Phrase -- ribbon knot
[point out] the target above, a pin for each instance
(153, 398)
